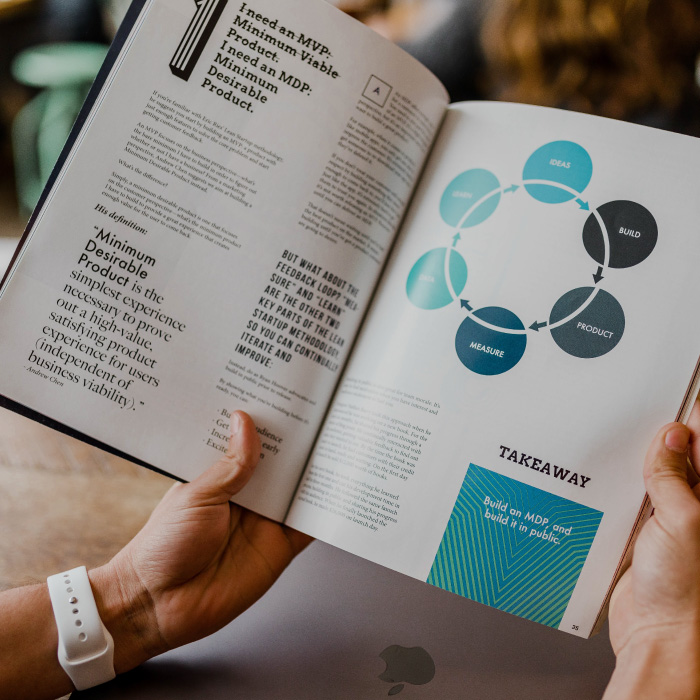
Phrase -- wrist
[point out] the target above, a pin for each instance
(127, 611)
(656, 662)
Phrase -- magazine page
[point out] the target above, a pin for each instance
(216, 232)
(530, 336)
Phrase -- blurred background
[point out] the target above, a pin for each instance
(626, 59)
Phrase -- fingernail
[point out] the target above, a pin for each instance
(677, 439)
(236, 423)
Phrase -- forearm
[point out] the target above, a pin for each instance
(29, 666)
(663, 665)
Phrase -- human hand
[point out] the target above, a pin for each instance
(655, 608)
(198, 562)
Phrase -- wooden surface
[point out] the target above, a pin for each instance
(63, 503)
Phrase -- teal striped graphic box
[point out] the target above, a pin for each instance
(514, 547)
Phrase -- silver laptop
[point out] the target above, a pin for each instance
(338, 627)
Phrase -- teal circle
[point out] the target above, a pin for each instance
(464, 192)
(427, 287)
(486, 351)
(563, 162)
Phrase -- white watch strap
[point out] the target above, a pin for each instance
(85, 647)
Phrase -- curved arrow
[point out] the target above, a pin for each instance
(485, 198)
(606, 240)
(560, 186)
(586, 207)
(510, 331)
(581, 309)
(448, 276)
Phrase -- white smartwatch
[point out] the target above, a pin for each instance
(85, 647)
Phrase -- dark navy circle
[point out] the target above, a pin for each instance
(631, 229)
(487, 351)
(593, 332)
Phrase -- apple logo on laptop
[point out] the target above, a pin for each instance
(406, 665)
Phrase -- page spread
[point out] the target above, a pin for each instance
(216, 236)
(215, 233)
(526, 342)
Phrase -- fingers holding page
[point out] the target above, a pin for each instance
(694, 449)
(665, 469)
(232, 472)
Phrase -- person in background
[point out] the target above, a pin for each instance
(634, 60)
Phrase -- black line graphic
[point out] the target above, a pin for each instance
(196, 37)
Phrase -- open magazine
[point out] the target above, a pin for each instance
(456, 327)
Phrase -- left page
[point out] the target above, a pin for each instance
(215, 233)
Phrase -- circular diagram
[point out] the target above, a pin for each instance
(488, 349)
(631, 231)
(586, 322)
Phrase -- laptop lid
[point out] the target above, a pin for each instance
(333, 622)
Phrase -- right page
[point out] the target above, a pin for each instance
(534, 328)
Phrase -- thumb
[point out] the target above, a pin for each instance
(232, 472)
(666, 469)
